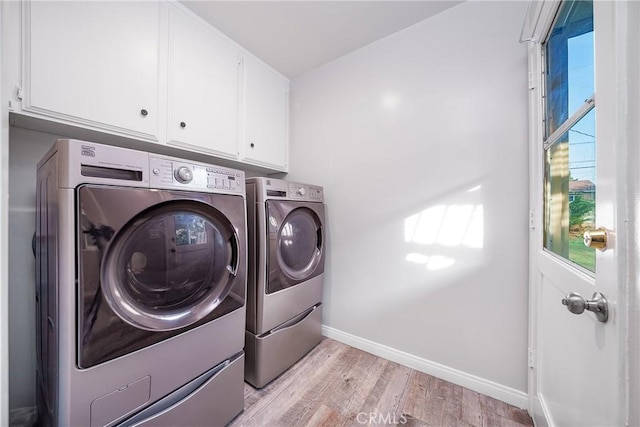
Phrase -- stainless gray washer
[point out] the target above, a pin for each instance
(140, 286)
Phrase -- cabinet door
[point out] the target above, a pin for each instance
(266, 103)
(94, 63)
(203, 87)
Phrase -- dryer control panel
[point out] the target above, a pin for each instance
(279, 189)
(168, 172)
(298, 191)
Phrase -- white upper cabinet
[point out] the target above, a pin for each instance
(94, 63)
(265, 118)
(204, 74)
(148, 71)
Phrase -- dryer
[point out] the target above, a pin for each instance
(286, 226)
(140, 288)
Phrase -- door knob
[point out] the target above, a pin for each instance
(598, 305)
(596, 239)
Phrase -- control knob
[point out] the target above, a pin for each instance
(183, 175)
(301, 191)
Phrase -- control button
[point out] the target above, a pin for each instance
(183, 174)
(301, 191)
(156, 171)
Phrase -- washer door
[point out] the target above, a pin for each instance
(296, 243)
(153, 264)
(170, 266)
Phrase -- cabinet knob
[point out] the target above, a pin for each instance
(252, 145)
(144, 112)
(183, 125)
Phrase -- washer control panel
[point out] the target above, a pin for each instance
(183, 174)
(297, 191)
(316, 193)
(168, 172)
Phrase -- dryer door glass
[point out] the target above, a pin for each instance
(170, 266)
(296, 241)
(299, 242)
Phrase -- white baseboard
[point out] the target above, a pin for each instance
(540, 413)
(497, 391)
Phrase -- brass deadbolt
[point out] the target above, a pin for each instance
(596, 239)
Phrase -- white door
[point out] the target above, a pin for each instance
(577, 361)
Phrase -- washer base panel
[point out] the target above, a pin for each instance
(213, 399)
(269, 355)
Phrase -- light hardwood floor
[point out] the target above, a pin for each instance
(338, 385)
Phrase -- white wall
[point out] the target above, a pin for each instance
(420, 141)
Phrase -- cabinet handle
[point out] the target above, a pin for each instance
(183, 125)
(144, 112)
(252, 145)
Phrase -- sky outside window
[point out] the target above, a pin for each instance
(581, 86)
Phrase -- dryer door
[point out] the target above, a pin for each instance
(170, 266)
(296, 243)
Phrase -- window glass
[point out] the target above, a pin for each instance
(570, 191)
(570, 167)
(570, 56)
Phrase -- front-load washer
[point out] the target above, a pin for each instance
(286, 226)
(140, 287)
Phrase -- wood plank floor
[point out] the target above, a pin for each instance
(338, 385)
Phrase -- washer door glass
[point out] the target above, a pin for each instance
(170, 266)
(299, 243)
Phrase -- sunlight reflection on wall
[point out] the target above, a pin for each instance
(445, 225)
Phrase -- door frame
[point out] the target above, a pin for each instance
(624, 74)
(4, 237)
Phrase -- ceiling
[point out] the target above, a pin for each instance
(297, 36)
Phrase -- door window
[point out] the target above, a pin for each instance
(570, 145)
